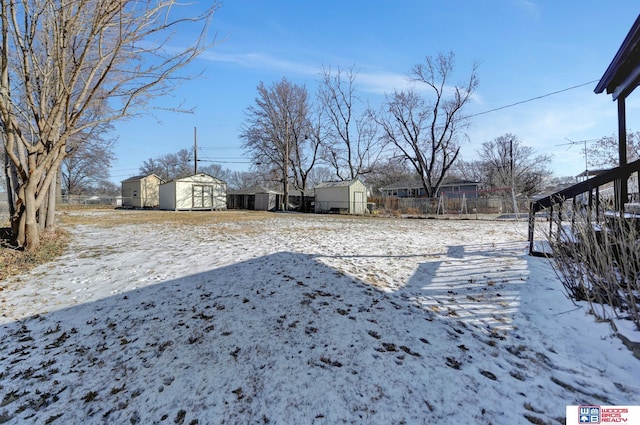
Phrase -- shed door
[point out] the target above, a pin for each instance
(358, 203)
(202, 196)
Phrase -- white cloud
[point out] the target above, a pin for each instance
(263, 62)
(546, 124)
(383, 82)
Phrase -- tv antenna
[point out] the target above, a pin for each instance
(584, 150)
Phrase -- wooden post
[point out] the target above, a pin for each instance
(622, 193)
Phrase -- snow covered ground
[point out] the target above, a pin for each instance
(302, 319)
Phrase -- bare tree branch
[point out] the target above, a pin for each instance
(428, 133)
(69, 67)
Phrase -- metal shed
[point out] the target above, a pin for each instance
(141, 191)
(196, 192)
(253, 198)
(346, 197)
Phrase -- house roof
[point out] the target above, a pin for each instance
(417, 184)
(592, 173)
(623, 74)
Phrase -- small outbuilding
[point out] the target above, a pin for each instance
(253, 198)
(196, 192)
(345, 197)
(141, 191)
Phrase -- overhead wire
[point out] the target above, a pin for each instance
(533, 98)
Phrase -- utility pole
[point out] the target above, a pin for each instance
(513, 181)
(285, 178)
(195, 152)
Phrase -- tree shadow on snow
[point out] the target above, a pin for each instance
(257, 341)
(277, 339)
(476, 284)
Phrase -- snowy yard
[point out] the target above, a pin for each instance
(302, 319)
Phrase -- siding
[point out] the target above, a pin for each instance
(198, 192)
(347, 196)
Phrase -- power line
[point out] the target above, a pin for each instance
(533, 98)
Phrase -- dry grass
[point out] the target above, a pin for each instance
(113, 217)
(13, 261)
(53, 243)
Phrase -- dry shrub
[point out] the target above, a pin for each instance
(14, 261)
(600, 264)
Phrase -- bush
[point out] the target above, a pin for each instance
(600, 264)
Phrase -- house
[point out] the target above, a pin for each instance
(196, 192)
(349, 197)
(254, 198)
(414, 189)
(141, 191)
(620, 79)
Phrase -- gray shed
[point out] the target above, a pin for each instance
(346, 197)
(141, 191)
(196, 192)
(253, 198)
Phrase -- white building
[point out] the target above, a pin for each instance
(141, 191)
(346, 197)
(197, 192)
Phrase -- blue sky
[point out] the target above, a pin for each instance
(524, 48)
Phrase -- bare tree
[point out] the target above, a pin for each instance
(69, 66)
(475, 171)
(604, 152)
(85, 164)
(243, 179)
(388, 171)
(428, 133)
(353, 146)
(278, 133)
(216, 170)
(170, 166)
(508, 163)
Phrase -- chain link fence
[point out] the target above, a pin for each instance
(449, 205)
(92, 200)
(4, 208)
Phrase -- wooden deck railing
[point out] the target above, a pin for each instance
(586, 194)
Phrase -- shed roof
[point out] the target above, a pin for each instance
(343, 183)
(141, 177)
(187, 178)
(252, 190)
(623, 74)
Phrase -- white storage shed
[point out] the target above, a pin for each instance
(141, 191)
(345, 197)
(196, 192)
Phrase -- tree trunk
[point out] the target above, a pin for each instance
(51, 204)
(29, 233)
